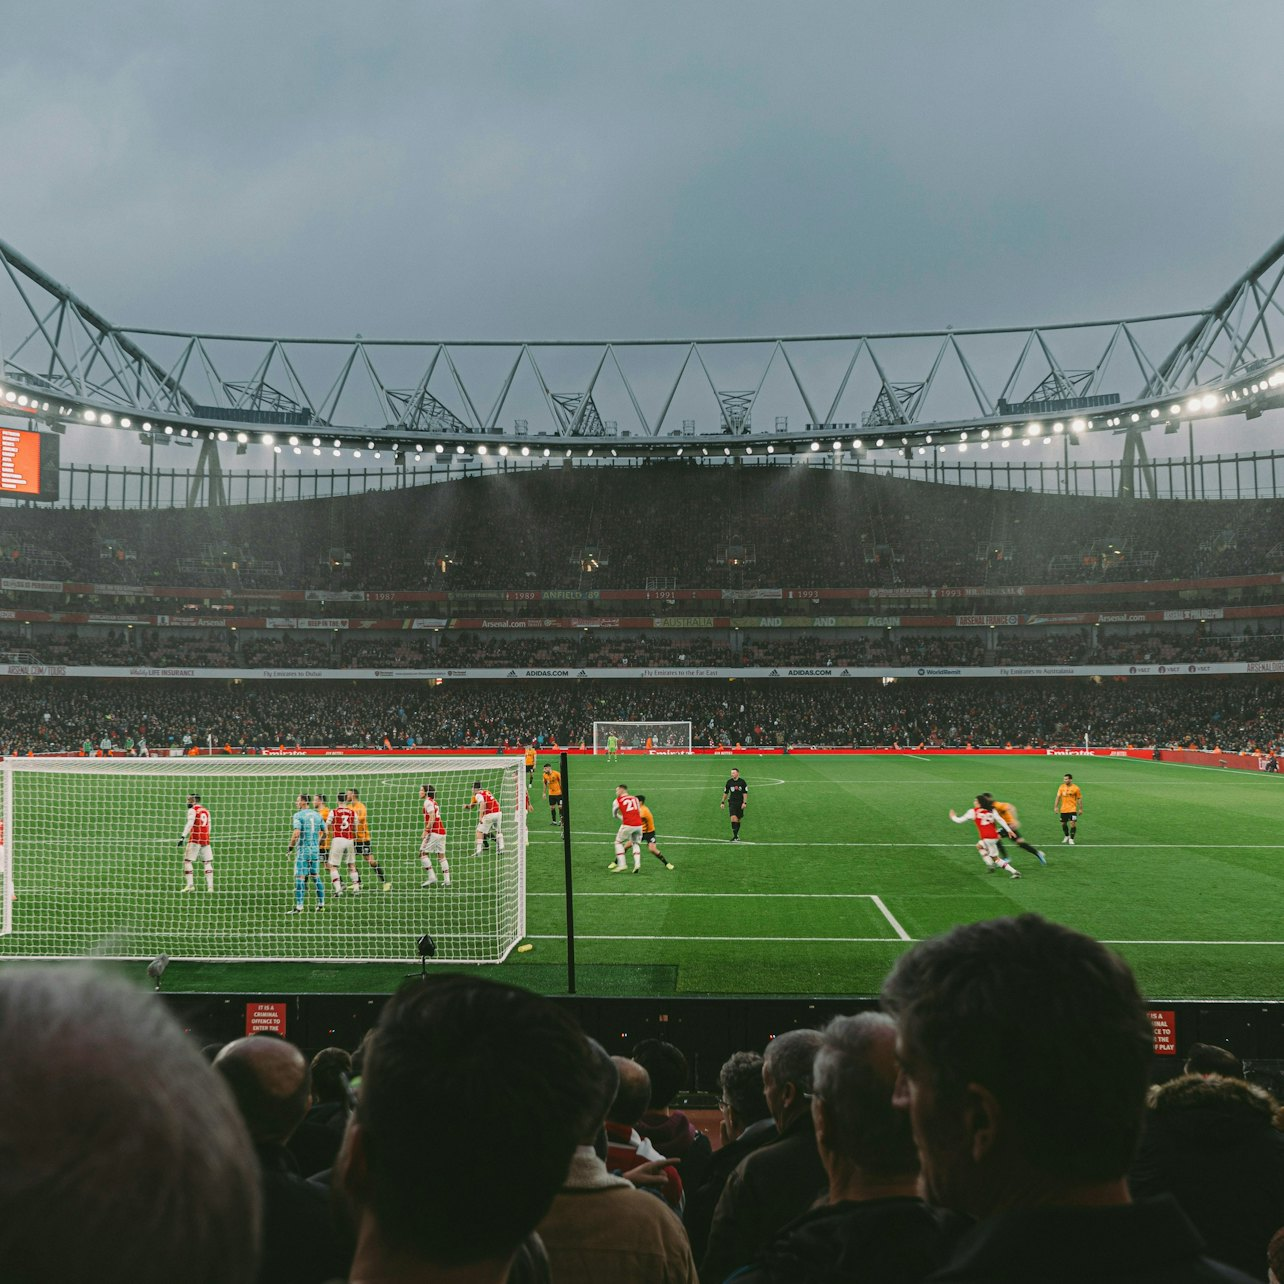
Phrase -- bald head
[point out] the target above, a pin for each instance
(633, 1094)
(270, 1080)
(124, 1157)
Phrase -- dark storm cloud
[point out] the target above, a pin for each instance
(492, 170)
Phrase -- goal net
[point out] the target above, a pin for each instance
(643, 737)
(92, 862)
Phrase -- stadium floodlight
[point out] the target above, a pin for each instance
(124, 423)
(1193, 404)
(838, 445)
(316, 450)
(298, 450)
(370, 446)
(267, 439)
(1034, 430)
(335, 453)
(316, 441)
(1006, 444)
(146, 426)
(1007, 430)
(1077, 425)
(90, 417)
(962, 447)
(1058, 427)
(526, 450)
(1154, 414)
(922, 450)
(419, 459)
(547, 452)
(222, 436)
(480, 918)
(1136, 418)
(679, 455)
(337, 442)
(858, 444)
(590, 452)
(928, 438)
(941, 449)
(459, 450)
(985, 445)
(378, 454)
(169, 429)
(879, 442)
(815, 445)
(356, 454)
(182, 432)
(962, 436)
(1209, 401)
(904, 441)
(276, 450)
(771, 450)
(294, 441)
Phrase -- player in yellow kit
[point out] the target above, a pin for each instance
(363, 839)
(1068, 807)
(648, 833)
(1008, 813)
(553, 793)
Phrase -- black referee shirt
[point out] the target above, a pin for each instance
(735, 790)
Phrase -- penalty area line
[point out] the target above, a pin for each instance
(776, 940)
(888, 915)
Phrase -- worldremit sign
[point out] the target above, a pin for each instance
(28, 464)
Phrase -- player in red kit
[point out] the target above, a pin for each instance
(989, 824)
(489, 818)
(434, 839)
(341, 825)
(196, 842)
(629, 811)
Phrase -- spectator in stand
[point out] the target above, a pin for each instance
(746, 1126)
(455, 1192)
(1210, 1142)
(125, 1160)
(270, 1081)
(1208, 1058)
(626, 1149)
(780, 1181)
(1025, 1053)
(873, 1226)
(600, 1228)
(315, 1143)
(669, 1130)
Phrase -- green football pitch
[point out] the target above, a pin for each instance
(843, 861)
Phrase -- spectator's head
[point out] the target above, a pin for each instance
(271, 1082)
(743, 1101)
(331, 1075)
(1025, 1054)
(787, 1074)
(519, 1087)
(124, 1157)
(1208, 1058)
(859, 1131)
(667, 1067)
(633, 1094)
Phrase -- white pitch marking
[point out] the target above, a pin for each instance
(887, 914)
(784, 940)
(699, 841)
(735, 896)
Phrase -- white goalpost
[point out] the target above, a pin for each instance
(91, 861)
(643, 737)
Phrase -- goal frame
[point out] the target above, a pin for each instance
(414, 767)
(602, 729)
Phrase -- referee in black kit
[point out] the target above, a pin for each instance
(734, 796)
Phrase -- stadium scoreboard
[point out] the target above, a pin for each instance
(28, 464)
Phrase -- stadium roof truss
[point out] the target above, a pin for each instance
(61, 361)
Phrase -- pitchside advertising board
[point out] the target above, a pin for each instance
(28, 464)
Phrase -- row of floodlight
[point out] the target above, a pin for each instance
(1205, 403)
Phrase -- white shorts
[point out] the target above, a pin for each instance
(629, 834)
(433, 845)
(489, 823)
(341, 847)
(989, 847)
(195, 849)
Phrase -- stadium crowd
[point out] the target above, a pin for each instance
(584, 528)
(599, 649)
(991, 1123)
(40, 715)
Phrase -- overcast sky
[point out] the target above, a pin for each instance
(492, 170)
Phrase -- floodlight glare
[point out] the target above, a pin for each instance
(335, 453)
(169, 428)
(1154, 414)
(294, 441)
(748, 450)
(316, 441)
(815, 445)
(459, 450)
(1077, 425)
(276, 450)
(222, 436)
(962, 447)
(147, 427)
(298, 450)
(503, 450)
(89, 414)
(1058, 427)
(1006, 444)
(370, 445)
(356, 454)
(962, 436)
(439, 448)
(1136, 418)
(1007, 430)
(985, 435)
(1033, 430)
(838, 445)
(481, 450)
(879, 442)
(268, 439)
(1209, 401)
(526, 450)
(928, 438)
(857, 443)
(337, 442)
(124, 423)
(315, 450)
(726, 450)
(771, 450)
